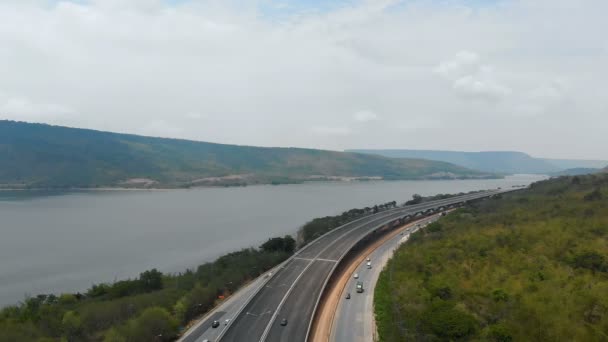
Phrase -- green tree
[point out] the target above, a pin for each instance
(442, 319)
(72, 325)
(154, 324)
(151, 280)
(113, 335)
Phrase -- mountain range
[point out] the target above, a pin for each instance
(494, 161)
(44, 156)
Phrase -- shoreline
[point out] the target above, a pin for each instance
(111, 188)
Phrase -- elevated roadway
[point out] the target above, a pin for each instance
(354, 317)
(293, 291)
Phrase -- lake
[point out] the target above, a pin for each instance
(53, 243)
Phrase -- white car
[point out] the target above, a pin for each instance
(356, 275)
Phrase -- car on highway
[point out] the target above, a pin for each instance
(359, 287)
(348, 295)
(369, 264)
(356, 276)
(368, 259)
(215, 324)
(284, 322)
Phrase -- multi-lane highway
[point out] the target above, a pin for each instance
(293, 291)
(354, 317)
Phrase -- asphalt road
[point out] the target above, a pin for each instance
(293, 292)
(354, 319)
(227, 310)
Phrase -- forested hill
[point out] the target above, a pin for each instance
(530, 266)
(38, 155)
(493, 161)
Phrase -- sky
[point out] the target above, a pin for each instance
(468, 75)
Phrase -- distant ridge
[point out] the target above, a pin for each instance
(493, 161)
(39, 155)
(576, 172)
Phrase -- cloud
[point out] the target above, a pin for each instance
(265, 77)
(365, 116)
(196, 116)
(464, 62)
(331, 131)
(474, 87)
(472, 79)
(160, 128)
(21, 108)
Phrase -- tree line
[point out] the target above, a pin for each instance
(527, 266)
(151, 307)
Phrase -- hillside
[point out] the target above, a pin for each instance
(505, 162)
(576, 172)
(499, 161)
(530, 266)
(577, 164)
(37, 155)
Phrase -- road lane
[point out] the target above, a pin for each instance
(299, 306)
(332, 244)
(257, 313)
(354, 318)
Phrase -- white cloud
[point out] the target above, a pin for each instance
(472, 79)
(21, 108)
(365, 116)
(160, 128)
(331, 131)
(151, 66)
(463, 63)
(196, 116)
(474, 87)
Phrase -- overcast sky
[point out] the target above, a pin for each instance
(457, 75)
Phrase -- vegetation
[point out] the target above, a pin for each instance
(576, 171)
(152, 307)
(322, 225)
(496, 161)
(43, 156)
(529, 266)
(417, 199)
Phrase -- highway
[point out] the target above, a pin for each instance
(294, 290)
(202, 330)
(354, 317)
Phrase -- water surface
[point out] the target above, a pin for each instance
(52, 242)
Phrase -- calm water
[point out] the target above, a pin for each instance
(51, 243)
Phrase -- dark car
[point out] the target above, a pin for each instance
(348, 295)
(215, 324)
(284, 322)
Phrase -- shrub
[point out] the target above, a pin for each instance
(595, 195)
(590, 260)
(499, 295)
(446, 321)
(154, 324)
(499, 333)
(434, 227)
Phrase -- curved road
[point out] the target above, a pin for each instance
(293, 291)
(354, 317)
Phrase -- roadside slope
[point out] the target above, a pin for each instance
(531, 266)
